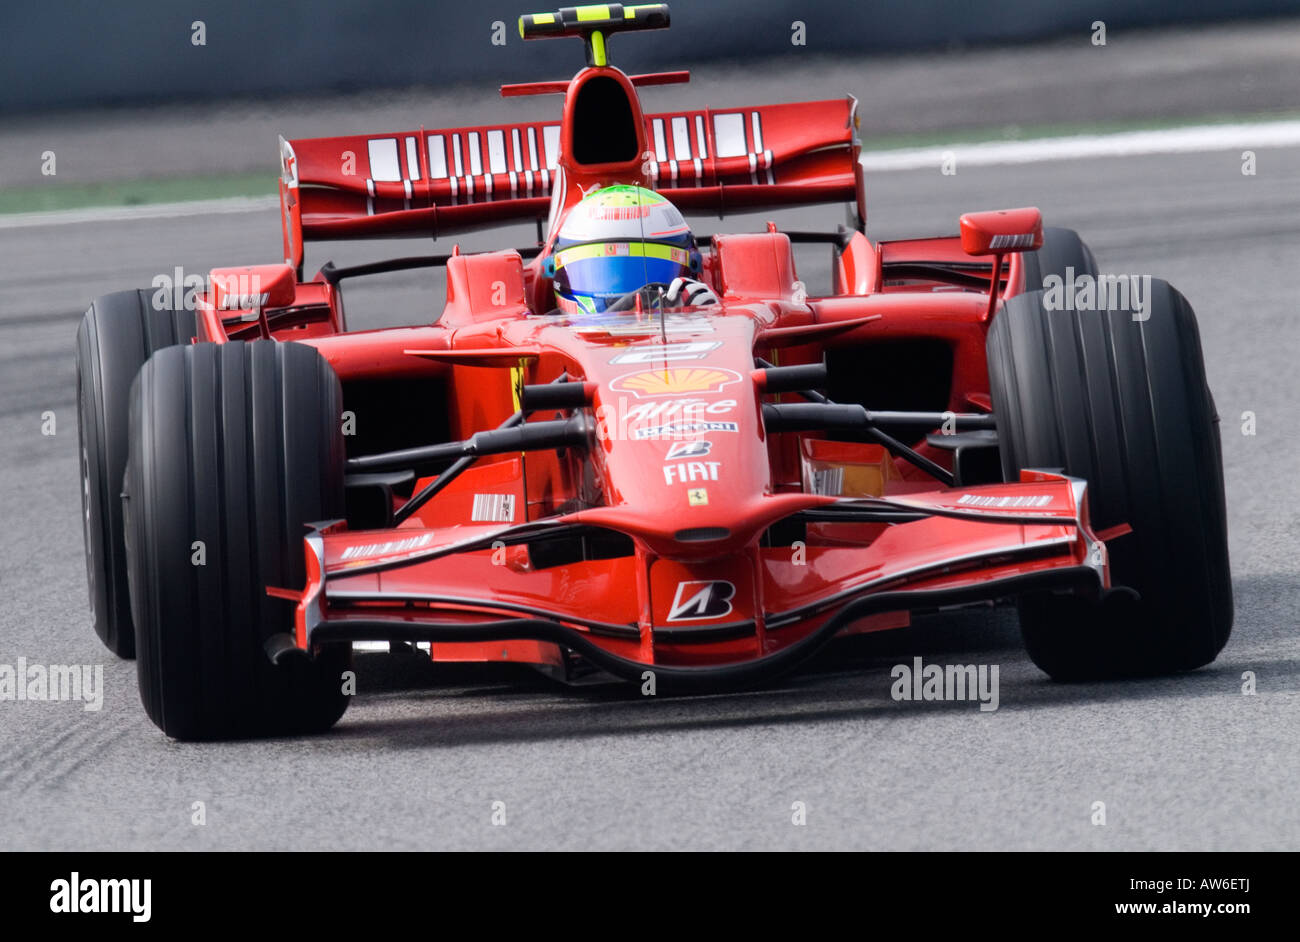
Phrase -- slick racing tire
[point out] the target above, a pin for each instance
(234, 448)
(1062, 250)
(117, 335)
(1121, 402)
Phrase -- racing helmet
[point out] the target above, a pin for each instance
(617, 240)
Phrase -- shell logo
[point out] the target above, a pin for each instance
(674, 382)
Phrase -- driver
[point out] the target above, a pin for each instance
(618, 241)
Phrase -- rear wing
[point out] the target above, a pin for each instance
(442, 182)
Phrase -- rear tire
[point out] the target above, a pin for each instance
(237, 446)
(117, 334)
(1123, 404)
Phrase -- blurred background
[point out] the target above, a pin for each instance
(79, 53)
(196, 92)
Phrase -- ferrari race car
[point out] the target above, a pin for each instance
(629, 449)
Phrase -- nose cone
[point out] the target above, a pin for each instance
(681, 435)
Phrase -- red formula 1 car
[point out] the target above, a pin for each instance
(631, 448)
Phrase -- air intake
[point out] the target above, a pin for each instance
(701, 534)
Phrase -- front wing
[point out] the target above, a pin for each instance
(694, 620)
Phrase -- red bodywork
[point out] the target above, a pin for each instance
(700, 587)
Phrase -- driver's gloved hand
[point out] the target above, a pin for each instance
(686, 292)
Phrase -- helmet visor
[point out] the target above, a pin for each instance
(609, 270)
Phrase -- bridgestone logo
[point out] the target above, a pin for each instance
(1002, 503)
(697, 600)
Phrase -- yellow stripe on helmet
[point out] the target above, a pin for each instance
(580, 253)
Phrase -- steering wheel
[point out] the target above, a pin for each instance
(654, 293)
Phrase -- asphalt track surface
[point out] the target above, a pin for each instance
(1185, 762)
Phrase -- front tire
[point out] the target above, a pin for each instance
(1062, 252)
(234, 448)
(1123, 404)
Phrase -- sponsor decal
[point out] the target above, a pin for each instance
(678, 429)
(679, 409)
(1020, 240)
(697, 497)
(691, 471)
(240, 291)
(387, 548)
(242, 302)
(650, 384)
(696, 449)
(620, 212)
(672, 324)
(1003, 502)
(495, 508)
(696, 601)
(617, 420)
(658, 353)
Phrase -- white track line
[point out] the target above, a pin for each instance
(63, 217)
(1209, 137)
(1200, 138)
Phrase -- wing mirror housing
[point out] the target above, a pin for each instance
(1001, 231)
(253, 287)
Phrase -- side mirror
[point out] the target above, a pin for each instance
(1000, 231)
(253, 287)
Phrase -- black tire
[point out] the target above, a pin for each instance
(117, 334)
(238, 446)
(1062, 249)
(1123, 404)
